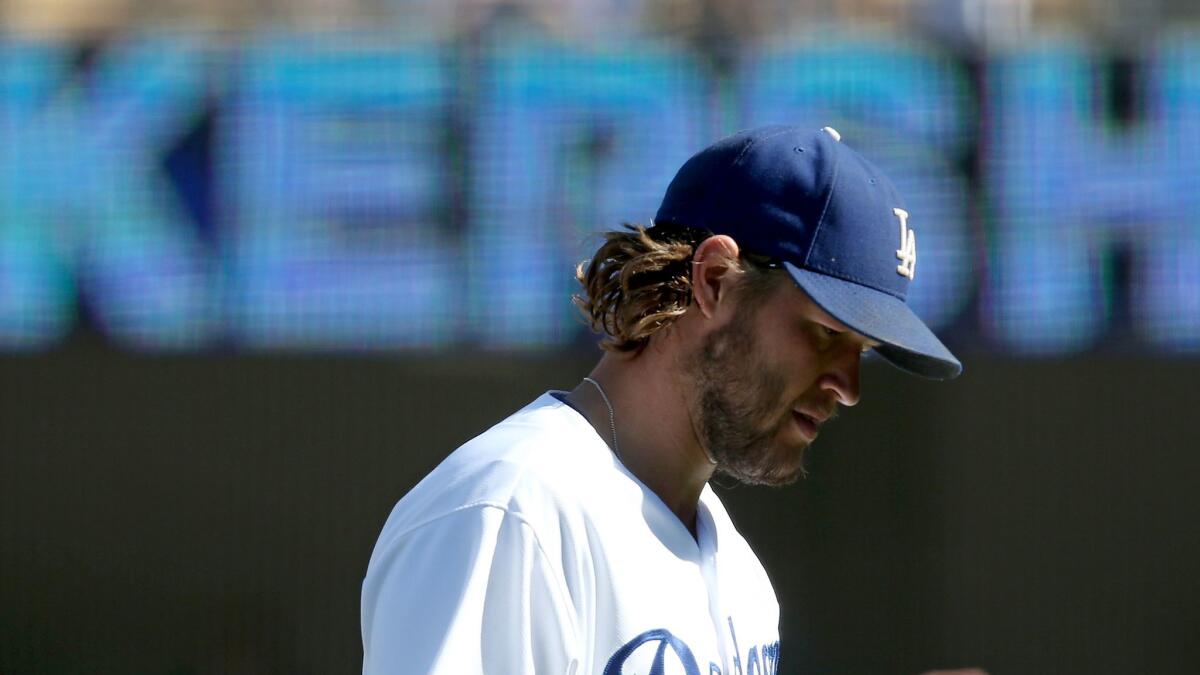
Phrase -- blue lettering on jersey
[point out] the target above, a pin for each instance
(665, 639)
(760, 660)
(770, 658)
(764, 661)
(737, 662)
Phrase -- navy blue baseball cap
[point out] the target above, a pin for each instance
(833, 220)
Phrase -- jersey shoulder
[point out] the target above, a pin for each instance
(536, 465)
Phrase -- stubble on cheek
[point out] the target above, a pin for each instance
(739, 409)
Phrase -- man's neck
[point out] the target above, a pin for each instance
(654, 434)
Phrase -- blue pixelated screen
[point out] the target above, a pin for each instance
(361, 192)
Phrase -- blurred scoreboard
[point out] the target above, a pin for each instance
(340, 192)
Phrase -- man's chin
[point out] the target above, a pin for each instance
(781, 472)
(788, 477)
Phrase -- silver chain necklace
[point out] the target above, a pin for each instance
(612, 418)
(612, 423)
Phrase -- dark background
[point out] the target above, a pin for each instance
(201, 514)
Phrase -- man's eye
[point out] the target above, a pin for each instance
(831, 332)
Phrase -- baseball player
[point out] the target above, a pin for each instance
(580, 535)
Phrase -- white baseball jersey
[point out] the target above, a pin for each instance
(532, 549)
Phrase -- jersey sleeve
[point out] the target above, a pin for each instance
(470, 592)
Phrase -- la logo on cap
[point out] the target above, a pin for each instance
(907, 253)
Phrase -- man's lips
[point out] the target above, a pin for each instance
(809, 425)
(818, 416)
(810, 420)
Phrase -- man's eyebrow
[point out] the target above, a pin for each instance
(869, 343)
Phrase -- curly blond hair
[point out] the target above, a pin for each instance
(640, 280)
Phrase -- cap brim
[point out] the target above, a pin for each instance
(906, 341)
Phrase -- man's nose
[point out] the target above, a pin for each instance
(841, 377)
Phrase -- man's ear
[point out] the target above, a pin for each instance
(713, 272)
